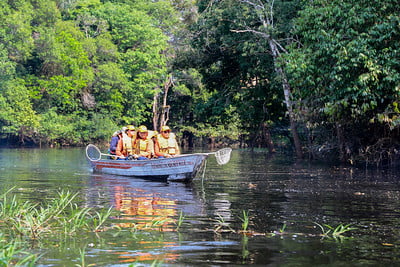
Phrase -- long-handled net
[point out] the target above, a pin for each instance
(93, 153)
(223, 155)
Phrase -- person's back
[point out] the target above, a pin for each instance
(114, 142)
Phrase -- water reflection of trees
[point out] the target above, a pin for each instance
(276, 191)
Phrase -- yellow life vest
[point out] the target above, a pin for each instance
(167, 145)
(127, 144)
(151, 134)
(141, 145)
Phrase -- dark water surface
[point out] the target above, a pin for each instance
(284, 200)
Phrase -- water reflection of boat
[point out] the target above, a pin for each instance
(179, 168)
(146, 204)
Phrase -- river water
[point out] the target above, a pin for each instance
(286, 204)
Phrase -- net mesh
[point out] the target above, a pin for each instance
(223, 155)
(93, 153)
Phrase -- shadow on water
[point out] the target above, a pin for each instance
(284, 201)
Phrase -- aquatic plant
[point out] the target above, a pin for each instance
(160, 222)
(282, 229)
(279, 232)
(100, 218)
(335, 232)
(149, 223)
(12, 253)
(82, 258)
(24, 219)
(180, 221)
(245, 220)
(245, 248)
(77, 219)
(221, 224)
(59, 215)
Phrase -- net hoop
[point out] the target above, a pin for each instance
(93, 153)
(223, 155)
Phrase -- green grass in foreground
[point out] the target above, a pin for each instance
(23, 221)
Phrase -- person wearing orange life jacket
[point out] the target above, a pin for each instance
(166, 145)
(142, 145)
(125, 146)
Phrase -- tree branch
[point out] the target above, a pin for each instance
(263, 34)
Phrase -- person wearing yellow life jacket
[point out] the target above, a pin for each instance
(166, 145)
(142, 145)
(125, 146)
(152, 136)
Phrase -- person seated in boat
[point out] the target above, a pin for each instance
(166, 145)
(125, 147)
(117, 135)
(142, 144)
(152, 135)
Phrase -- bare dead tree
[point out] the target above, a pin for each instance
(156, 114)
(161, 114)
(165, 108)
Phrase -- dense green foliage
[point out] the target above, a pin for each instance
(72, 72)
(347, 74)
(243, 92)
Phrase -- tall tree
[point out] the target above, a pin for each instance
(265, 12)
(87, 63)
(141, 47)
(17, 117)
(239, 69)
(347, 71)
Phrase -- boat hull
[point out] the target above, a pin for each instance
(180, 168)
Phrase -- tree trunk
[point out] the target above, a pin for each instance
(266, 16)
(165, 108)
(161, 115)
(212, 142)
(187, 140)
(288, 95)
(341, 142)
(268, 139)
(156, 115)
